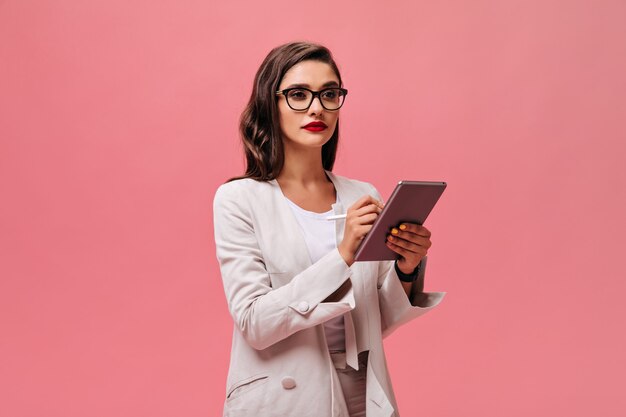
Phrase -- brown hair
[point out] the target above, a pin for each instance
(259, 124)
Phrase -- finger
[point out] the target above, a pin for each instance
(406, 254)
(399, 250)
(409, 246)
(368, 218)
(415, 228)
(370, 208)
(366, 199)
(363, 230)
(412, 237)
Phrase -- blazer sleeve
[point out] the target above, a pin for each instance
(267, 315)
(395, 307)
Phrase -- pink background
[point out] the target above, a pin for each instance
(118, 120)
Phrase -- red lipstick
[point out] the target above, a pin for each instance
(315, 126)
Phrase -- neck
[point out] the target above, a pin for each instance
(303, 166)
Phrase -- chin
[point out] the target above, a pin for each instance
(319, 142)
(307, 140)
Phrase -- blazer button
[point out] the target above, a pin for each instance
(288, 382)
(303, 306)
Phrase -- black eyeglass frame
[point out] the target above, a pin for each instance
(313, 95)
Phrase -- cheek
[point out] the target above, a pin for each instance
(333, 121)
(288, 120)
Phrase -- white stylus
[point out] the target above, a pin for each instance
(336, 217)
(340, 216)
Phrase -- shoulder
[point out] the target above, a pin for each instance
(236, 192)
(358, 186)
(241, 186)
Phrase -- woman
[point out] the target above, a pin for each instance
(309, 321)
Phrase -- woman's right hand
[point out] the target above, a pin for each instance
(359, 219)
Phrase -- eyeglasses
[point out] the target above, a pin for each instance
(300, 98)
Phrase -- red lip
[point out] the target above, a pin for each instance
(316, 125)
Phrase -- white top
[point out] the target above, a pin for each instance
(319, 235)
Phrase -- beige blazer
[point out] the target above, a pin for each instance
(279, 364)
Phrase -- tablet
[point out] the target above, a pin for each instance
(411, 202)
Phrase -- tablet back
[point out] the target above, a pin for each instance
(412, 202)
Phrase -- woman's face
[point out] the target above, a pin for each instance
(314, 75)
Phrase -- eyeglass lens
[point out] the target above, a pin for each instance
(331, 98)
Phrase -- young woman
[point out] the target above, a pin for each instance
(308, 321)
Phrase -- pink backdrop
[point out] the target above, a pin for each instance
(118, 120)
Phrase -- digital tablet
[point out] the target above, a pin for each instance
(410, 202)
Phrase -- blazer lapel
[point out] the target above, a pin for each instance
(338, 206)
(345, 197)
(296, 245)
(291, 240)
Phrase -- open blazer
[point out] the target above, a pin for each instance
(280, 364)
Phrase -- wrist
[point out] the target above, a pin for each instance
(407, 277)
(406, 271)
(349, 260)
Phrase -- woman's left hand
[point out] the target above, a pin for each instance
(411, 241)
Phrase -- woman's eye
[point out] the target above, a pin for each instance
(298, 94)
(330, 94)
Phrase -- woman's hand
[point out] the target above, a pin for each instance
(359, 219)
(411, 241)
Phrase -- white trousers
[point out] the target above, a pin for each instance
(353, 382)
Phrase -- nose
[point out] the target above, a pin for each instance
(316, 105)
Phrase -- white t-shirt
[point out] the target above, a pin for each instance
(319, 235)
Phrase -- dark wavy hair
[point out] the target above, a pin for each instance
(259, 124)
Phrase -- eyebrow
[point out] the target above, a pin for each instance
(328, 84)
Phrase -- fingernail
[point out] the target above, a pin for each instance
(402, 226)
(394, 231)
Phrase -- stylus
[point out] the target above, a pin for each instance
(336, 217)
